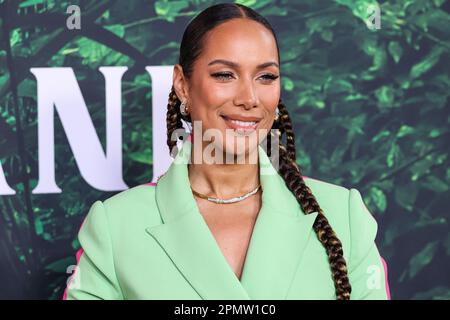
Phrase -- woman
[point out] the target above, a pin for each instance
(240, 230)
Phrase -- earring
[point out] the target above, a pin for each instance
(277, 114)
(184, 109)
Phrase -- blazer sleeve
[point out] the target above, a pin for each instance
(94, 275)
(366, 270)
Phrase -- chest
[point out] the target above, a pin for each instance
(231, 226)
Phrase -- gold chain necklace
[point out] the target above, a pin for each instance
(232, 200)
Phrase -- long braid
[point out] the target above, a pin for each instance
(293, 178)
(285, 125)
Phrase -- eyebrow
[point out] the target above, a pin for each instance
(236, 65)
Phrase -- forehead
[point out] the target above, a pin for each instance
(241, 40)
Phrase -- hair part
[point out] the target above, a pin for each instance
(190, 49)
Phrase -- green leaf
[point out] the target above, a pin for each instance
(327, 35)
(75, 244)
(117, 29)
(358, 7)
(247, 3)
(15, 37)
(378, 197)
(170, 9)
(274, 11)
(357, 124)
(288, 84)
(435, 184)
(61, 265)
(27, 88)
(254, 4)
(30, 3)
(142, 157)
(395, 50)
(38, 226)
(405, 195)
(404, 131)
(68, 51)
(427, 63)
(421, 168)
(47, 236)
(379, 59)
(319, 104)
(355, 97)
(393, 155)
(382, 134)
(436, 132)
(335, 86)
(385, 96)
(422, 258)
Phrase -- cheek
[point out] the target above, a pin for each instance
(270, 95)
(207, 97)
(269, 99)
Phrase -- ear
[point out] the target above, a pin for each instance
(180, 83)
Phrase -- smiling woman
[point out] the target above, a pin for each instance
(215, 230)
(234, 83)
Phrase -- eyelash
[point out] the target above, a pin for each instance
(223, 75)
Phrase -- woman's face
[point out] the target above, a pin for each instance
(244, 85)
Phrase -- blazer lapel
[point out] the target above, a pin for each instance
(186, 238)
(278, 240)
(280, 235)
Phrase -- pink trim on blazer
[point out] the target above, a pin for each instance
(386, 278)
(151, 184)
(78, 257)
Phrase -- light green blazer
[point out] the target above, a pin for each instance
(151, 242)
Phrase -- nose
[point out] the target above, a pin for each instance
(246, 96)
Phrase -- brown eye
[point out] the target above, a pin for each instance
(222, 75)
(270, 77)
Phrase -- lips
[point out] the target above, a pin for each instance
(241, 118)
(240, 124)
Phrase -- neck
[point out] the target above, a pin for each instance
(223, 180)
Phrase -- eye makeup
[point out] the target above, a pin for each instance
(227, 76)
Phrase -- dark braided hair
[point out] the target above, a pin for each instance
(190, 49)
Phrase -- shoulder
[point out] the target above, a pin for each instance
(132, 207)
(346, 212)
(134, 196)
(327, 191)
(332, 198)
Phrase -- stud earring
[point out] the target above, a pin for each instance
(184, 109)
(277, 114)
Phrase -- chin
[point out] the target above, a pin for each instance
(239, 147)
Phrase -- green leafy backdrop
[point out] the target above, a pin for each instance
(370, 109)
